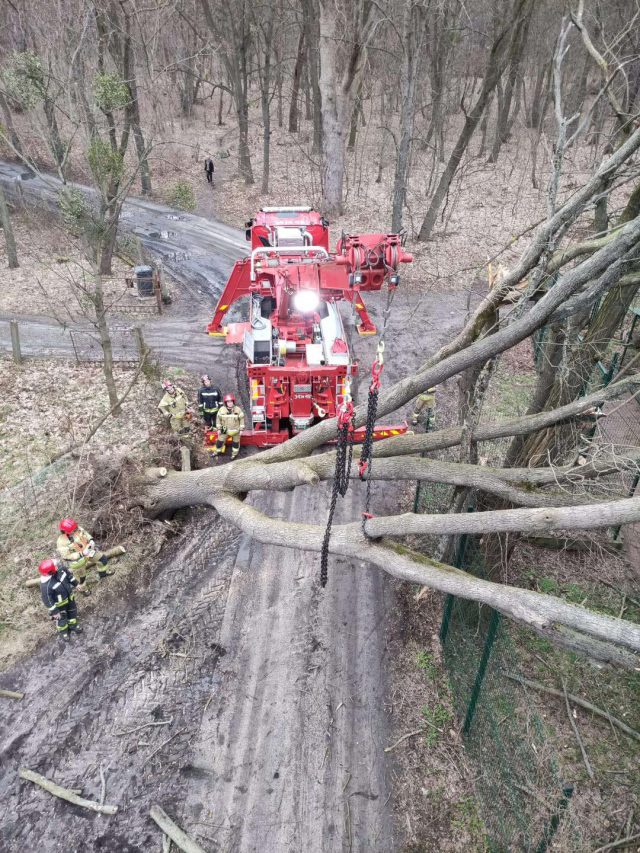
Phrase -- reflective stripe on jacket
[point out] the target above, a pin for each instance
(57, 590)
(209, 399)
(230, 421)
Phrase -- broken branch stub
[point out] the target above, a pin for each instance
(64, 793)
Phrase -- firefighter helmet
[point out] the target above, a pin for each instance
(68, 525)
(47, 567)
(229, 399)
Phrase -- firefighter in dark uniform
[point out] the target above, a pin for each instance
(209, 401)
(57, 585)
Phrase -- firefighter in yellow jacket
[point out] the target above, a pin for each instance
(78, 550)
(425, 409)
(230, 422)
(175, 408)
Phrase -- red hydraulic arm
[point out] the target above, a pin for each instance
(239, 285)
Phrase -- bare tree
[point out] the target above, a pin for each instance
(231, 32)
(341, 67)
(9, 240)
(412, 43)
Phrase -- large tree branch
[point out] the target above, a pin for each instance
(598, 515)
(613, 640)
(451, 437)
(547, 231)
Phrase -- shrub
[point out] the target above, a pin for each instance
(182, 196)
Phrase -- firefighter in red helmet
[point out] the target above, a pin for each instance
(230, 422)
(79, 552)
(57, 588)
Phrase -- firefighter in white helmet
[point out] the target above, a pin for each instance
(230, 422)
(175, 408)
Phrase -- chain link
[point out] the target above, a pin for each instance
(344, 449)
(344, 458)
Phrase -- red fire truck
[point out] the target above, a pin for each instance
(298, 362)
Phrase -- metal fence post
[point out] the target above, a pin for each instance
(15, 341)
(554, 823)
(482, 668)
(140, 344)
(458, 561)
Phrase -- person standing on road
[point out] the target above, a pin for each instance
(78, 550)
(209, 169)
(230, 422)
(57, 587)
(175, 408)
(209, 401)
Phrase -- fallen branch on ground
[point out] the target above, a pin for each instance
(11, 694)
(64, 793)
(404, 737)
(177, 835)
(577, 700)
(145, 726)
(621, 842)
(585, 757)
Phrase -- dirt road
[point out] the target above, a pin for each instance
(226, 686)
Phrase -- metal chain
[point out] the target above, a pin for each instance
(344, 457)
(344, 449)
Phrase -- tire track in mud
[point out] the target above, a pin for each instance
(294, 746)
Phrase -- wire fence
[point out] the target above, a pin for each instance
(523, 801)
(30, 338)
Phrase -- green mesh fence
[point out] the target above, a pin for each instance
(522, 799)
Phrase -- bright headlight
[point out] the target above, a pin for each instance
(306, 301)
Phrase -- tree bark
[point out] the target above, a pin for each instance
(311, 21)
(9, 239)
(341, 70)
(412, 44)
(14, 139)
(505, 117)
(105, 345)
(294, 108)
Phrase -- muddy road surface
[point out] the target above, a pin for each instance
(197, 252)
(226, 685)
